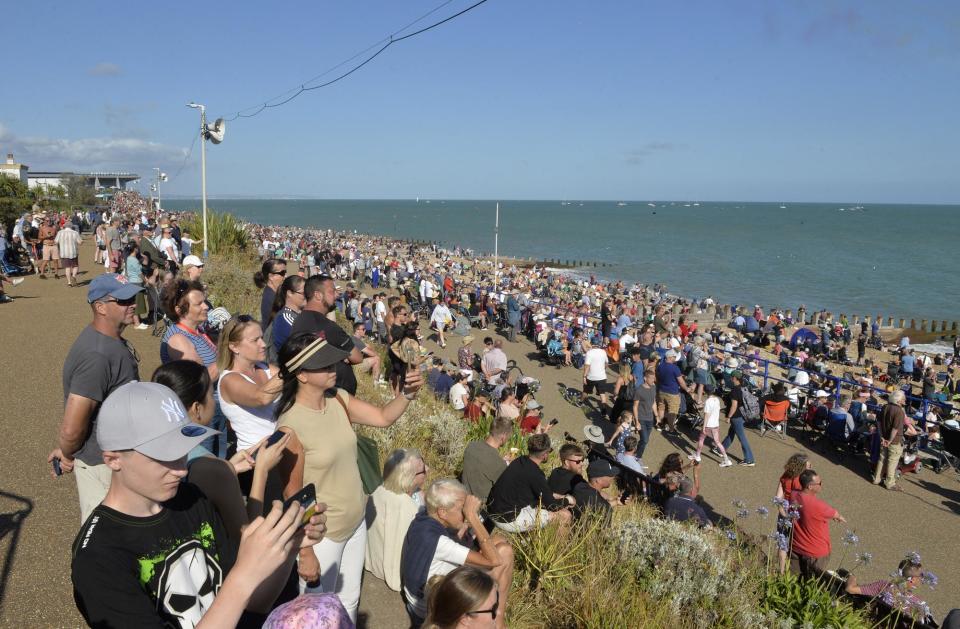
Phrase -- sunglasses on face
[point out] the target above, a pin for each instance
(129, 301)
(281, 272)
(492, 611)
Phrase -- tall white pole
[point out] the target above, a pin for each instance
(159, 205)
(203, 175)
(496, 246)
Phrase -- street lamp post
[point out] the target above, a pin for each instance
(161, 177)
(203, 170)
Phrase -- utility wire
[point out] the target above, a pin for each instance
(186, 157)
(383, 44)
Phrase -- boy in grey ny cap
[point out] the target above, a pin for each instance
(154, 552)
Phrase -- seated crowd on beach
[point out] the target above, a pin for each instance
(229, 488)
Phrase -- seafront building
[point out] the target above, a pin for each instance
(102, 182)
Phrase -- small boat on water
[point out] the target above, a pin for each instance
(652, 204)
(621, 204)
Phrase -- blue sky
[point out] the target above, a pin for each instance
(795, 100)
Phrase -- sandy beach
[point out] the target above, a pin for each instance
(40, 515)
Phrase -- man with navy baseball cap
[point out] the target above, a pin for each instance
(155, 552)
(99, 361)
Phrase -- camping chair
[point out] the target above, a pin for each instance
(9, 268)
(837, 432)
(774, 417)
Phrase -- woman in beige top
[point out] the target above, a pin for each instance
(323, 450)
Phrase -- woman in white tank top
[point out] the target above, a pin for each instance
(248, 386)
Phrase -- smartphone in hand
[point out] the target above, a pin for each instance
(271, 440)
(307, 497)
(56, 467)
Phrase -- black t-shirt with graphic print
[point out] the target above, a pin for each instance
(158, 571)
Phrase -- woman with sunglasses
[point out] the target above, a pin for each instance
(323, 451)
(465, 598)
(286, 306)
(269, 278)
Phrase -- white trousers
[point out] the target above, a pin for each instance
(341, 568)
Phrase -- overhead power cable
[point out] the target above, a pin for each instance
(380, 46)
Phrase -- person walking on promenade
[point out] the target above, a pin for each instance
(99, 361)
(736, 419)
(67, 241)
(891, 421)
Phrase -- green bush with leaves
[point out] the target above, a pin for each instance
(808, 603)
(226, 234)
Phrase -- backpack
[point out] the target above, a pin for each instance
(751, 405)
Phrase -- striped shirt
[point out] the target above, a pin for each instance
(68, 241)
(201, 342)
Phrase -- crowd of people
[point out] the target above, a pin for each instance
(232, 487)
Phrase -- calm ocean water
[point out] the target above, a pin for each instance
(893, 260)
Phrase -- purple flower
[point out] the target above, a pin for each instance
(780, 502)
(850, 538)
(929, 579)
(864, 558)
(742, 513)
(914, 558)
(782, 542)
(731, 535)
(763, 512)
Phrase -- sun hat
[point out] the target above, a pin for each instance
(192, 260)
(670, 354)
(821, 393)
(317, 355)
(732, 363)
(111, 285)
(533, 405)
(593, 433)
(149, 418)
(466, 340)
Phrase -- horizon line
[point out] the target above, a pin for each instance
(297, 197)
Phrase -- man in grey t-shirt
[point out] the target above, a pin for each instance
(645, 407)
(99, 361)
(482, 464)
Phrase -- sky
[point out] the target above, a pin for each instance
(516, 99)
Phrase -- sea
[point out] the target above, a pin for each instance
(865, 259)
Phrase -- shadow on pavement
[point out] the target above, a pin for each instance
(10, 524)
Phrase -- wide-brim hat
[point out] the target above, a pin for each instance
(466, 340)
(317, 355)
(593, 433)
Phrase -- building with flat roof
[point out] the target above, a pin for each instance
(99, 181)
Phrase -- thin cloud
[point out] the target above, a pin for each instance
(105, 69)
(124, 153)
(636, 156)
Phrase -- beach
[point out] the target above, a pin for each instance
(37, 551)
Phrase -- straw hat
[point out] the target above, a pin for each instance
(466, 340)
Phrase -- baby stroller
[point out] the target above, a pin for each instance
(690, 411)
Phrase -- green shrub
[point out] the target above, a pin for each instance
(226, 234)
(808, 603)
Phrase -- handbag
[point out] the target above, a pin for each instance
(368, 459)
